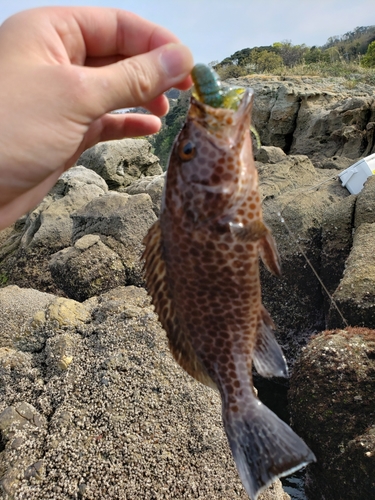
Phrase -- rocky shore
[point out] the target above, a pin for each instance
(92, 404)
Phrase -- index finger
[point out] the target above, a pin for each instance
(109, 32)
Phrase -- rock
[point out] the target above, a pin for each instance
(355, 294)
(122, 221)
(19, 425)
(87, 269)
(50, 223)
(332, 405)
(24, 256)
(296, 197)
(337, 240)
(17, 309)
(120, 420)
(122, 162)
(73, 247)
(67, 313)
(336, 162)
(153, 186)
(270, 154)
(319, 118)
(365, 206)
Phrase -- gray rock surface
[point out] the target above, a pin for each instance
(153, 186)
(50, 224)
(48, 228)
(122, 221)
(69, 212)
(354, 294)
(103, 411)
(120, 163)
(19, 309)
(270, 154)
(318, 117)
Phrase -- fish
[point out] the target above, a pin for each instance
(201, 265)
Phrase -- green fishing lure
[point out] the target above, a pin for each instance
(208, 89)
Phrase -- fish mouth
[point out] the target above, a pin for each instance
(223, 123)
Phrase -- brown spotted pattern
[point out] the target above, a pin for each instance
(202, 271)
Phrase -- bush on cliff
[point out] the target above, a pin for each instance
(368, 60)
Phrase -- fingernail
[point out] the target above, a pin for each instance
(176, 60)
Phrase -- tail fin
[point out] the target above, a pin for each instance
(263, 446)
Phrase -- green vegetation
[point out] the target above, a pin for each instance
(3, 280)
(368, 61)
(172, 123)
(340, 56)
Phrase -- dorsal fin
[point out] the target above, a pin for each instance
(157, 284)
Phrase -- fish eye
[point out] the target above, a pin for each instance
(186, 150)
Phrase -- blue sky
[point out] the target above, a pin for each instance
(215, 29)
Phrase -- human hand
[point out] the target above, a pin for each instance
(61, 71)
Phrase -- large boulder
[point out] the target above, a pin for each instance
(107, 236)
(332, 405)
(101, 409)
(122, 221)
(88, 268)
(122, 162)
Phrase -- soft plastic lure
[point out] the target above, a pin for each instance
(208, 89)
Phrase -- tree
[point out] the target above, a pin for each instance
(368, 60)
(266, 61)
(290, 54)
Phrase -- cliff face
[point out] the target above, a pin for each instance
(317, 117)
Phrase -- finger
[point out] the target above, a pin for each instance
(97, 62)
(92, 32)
(114, 31)
(158, 106)
(112, 127)
(135, 81)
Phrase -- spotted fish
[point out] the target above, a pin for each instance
(202, 271)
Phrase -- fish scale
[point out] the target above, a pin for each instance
(202, 271)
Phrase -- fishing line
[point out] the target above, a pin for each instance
(293, 237)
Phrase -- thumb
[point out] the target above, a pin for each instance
(139, 79)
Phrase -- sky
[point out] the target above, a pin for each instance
(215, 29)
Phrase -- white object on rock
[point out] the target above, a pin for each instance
(356, 175)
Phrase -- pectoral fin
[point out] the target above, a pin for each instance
(269, 254)
(268, 358)
(257, 231)
(155, 271)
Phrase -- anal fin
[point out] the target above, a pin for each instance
(268, 358)
(155, 271)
